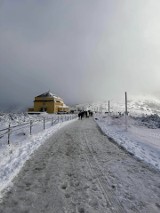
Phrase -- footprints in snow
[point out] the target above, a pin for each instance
(81, 195)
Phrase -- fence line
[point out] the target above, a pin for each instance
(31, 123)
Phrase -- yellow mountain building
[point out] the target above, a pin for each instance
(50, 103)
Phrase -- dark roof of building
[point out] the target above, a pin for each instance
(48, 94)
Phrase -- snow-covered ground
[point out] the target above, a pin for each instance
(78, 170)
(22, 144)
(139, 137)
(142, 137)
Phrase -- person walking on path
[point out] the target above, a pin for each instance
(80, 115)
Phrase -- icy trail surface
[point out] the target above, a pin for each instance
(78, 170)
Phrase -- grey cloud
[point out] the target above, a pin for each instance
(80, 50)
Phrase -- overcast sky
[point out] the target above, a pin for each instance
(82, 50)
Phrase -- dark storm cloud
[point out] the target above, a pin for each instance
(81, 50)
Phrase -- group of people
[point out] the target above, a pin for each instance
(86, 114)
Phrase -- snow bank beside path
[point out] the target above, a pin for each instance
(142, 142)
(14, 156)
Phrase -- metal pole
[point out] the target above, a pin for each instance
(126, 103)
(52, 121)
(9, 129)
(109, 107)
(126, 112)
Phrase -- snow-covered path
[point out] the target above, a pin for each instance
(78, 170)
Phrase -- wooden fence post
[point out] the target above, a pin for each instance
(9, 130)
(30, 127)
(44, 123)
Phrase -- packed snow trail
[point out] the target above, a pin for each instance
(78, 170)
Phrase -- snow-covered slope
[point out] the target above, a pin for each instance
(136, 105)
(139, 140)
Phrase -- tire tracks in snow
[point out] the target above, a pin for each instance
(113, 204)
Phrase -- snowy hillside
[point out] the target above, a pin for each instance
(136, 105)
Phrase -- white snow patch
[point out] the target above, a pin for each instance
(142, 142)
(22, 145)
